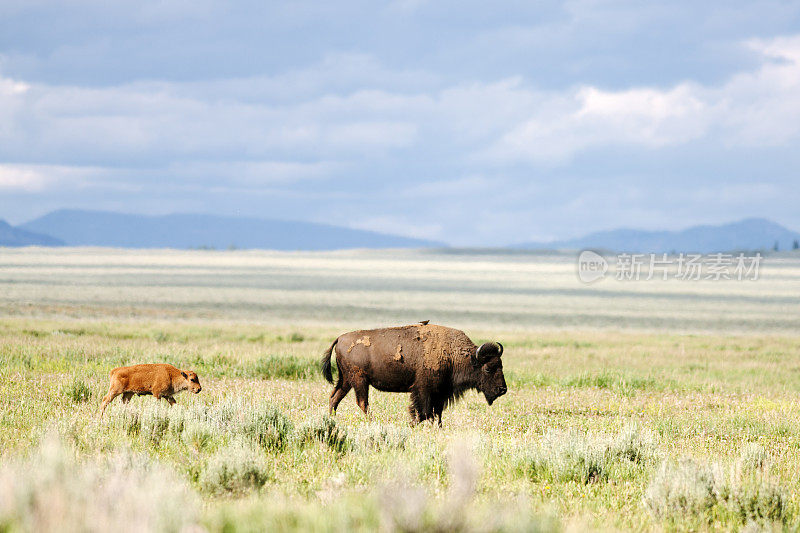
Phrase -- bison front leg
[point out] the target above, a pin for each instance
(413, 408)
(437, 411)
(420, 408)
(412, 412)
(170, 400)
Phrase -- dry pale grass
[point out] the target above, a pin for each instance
(613, 389)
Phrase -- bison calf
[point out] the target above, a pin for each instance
(160, 380)
(436, 364)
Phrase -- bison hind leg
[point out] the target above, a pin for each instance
(126, 397)
(362, 396)
(338, 394)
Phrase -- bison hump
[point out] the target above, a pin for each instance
(441, 346)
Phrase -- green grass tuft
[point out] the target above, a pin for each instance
(325, 430)
(78, 391)
(284, 367)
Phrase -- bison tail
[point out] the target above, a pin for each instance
(326, 362)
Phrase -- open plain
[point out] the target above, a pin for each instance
(631, 405)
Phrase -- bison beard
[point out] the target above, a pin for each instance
(436, 364)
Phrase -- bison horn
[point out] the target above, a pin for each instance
(485, 351)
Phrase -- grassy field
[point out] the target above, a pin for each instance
(631, 405)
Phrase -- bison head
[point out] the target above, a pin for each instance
(194, 382)
(491, 381)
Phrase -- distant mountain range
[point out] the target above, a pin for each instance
(747, 234)
(11, 236)
(100, 228)
(73, 227)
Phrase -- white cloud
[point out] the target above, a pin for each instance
(156, 121)
(761, 108)
(500, 122)
(591, 117)
(35, 178)
(332, 128)
(12, 88)
(758, 108)
(21, 178)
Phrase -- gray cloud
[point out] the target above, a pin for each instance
(459, 122)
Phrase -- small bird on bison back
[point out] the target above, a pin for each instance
(436, 364)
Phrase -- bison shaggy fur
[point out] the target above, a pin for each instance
(436, 364)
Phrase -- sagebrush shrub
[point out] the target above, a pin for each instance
(235, 468)
(198, 434)
(150, 422)
(198, 425)
(572, 456)
(746, 491)
(753, 494)
(757, 499)
(753, 458)
(267, 426)
(374, 436)
(223, 413)
(634, 443)
(54, 491)
(684, 487)
(407, 507)
(566, 456)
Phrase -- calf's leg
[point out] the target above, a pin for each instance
(113, 392)
(126, 397)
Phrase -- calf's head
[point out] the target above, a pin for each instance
(486, 361)
(194, 383)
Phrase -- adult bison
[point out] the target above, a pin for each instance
(436, 364)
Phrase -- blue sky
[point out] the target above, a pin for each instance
(473, 123)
